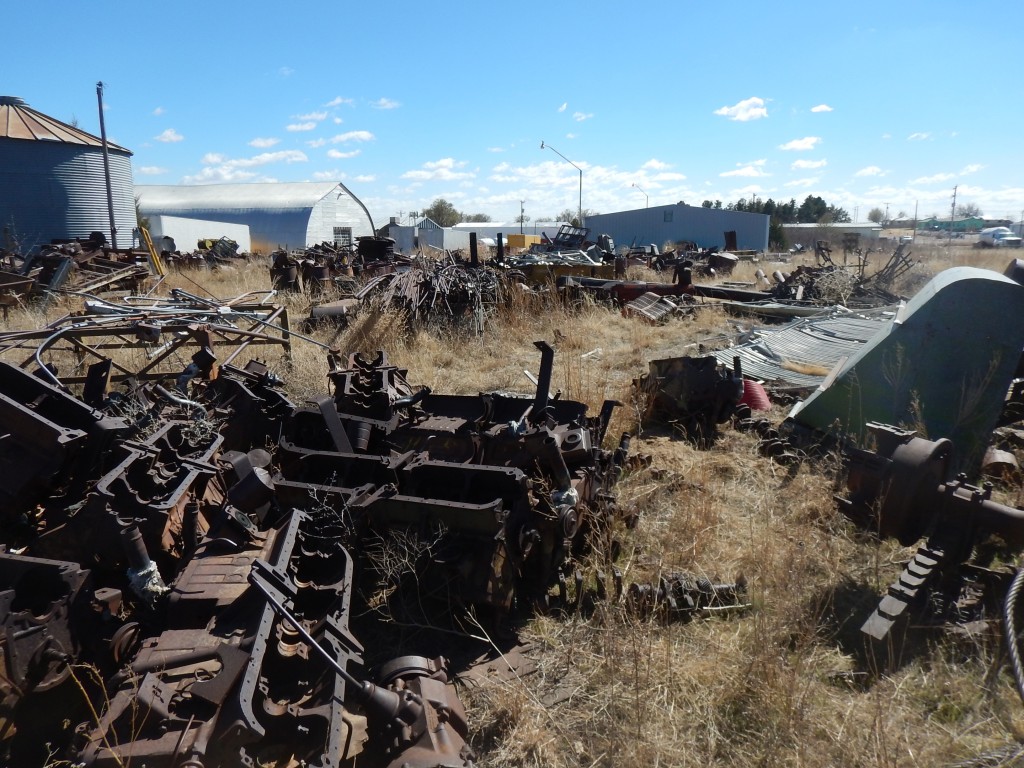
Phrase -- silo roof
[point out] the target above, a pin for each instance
(19, 121)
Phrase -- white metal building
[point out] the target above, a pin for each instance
(279, 215)
(186, 233)
(666, 224)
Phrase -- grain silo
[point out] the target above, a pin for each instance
(52, 182)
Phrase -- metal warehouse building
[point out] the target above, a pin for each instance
(279, 215)
(52, 182)
(673, 223)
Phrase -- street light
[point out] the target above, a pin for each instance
(647, 203)
(570, 162)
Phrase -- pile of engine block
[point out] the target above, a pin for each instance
(180, 564)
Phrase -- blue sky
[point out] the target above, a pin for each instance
(864, 104)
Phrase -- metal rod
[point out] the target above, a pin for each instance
(106, 166)
(570, 162)
(285, 614)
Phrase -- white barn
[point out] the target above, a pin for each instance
(279, 215)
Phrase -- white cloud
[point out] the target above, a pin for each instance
(918, 136)
(752, 170)
(802, 182)
(337, 101)
(326, 175)
(366, 178)
(800, 145)
(972, 168)
(297, 127)
(579, 117)
(808, 164)
(159, 111)
(316, 142)
(934, 179)
(668, 177)
(281, 156)
(748, 109)
(562, 108)
(495, 149)
(654, 165)
(383, 103)
(220, 168)
(570, 135)
(263, 143)
(311, 116)
(338, 155)
(886, 135)
(337, 120)
(286, 71)
(341, 138)
(443, 169)
(821, 108)
(871, 170)
(151, 170)
(170, 136)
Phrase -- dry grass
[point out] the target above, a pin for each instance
(780, 685)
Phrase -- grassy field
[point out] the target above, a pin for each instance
(788, 683)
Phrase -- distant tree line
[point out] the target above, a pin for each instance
(444, 214)
(813, 210)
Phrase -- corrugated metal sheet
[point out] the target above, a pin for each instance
(55, 189)
(20, 121)
(802, 354)
(671, 223)
(182, 199)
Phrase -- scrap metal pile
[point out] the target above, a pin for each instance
(446, 290)
(321, 267)
(183, 546)
(567, 253)
(852, 287)
(82, 267)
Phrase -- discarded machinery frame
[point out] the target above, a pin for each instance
(904, 490)
(161, 333)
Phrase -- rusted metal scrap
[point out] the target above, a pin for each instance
(683, 596)
(79, 267)
(693, 394)
(182, 545)
(905, 490)
(510, 486)
(446, 291)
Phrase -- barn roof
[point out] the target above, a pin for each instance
(277, 195)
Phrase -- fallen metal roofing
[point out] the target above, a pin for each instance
(801, 355)
(19, 121)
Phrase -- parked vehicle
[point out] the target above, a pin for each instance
(998, 237)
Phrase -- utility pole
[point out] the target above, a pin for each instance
(106, 167)
(952, 213)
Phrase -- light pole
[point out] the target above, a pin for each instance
(521, 214)
(647, 200)
(570, 162)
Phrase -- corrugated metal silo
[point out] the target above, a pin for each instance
(52, 183)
